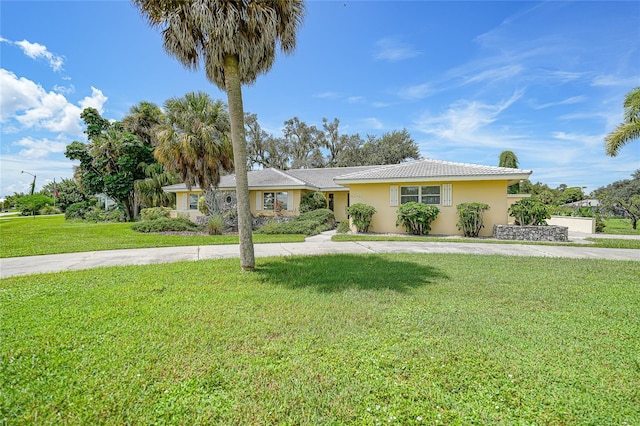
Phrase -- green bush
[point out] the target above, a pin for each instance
(343, 227)
(89, 211)
(32, 204)
(202, 205)
(471, 218)
(417, 217)
(164, 224)
(361, 214)
(312, 201)
(529, 211)
(321, 216)
(153, 213)
(310, 223)
(46, 210)
(77, 210)
(216, 224)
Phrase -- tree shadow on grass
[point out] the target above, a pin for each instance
(340, 272)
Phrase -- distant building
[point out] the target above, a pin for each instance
(583, 203)
(104, 199)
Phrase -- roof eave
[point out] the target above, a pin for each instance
(515, 178)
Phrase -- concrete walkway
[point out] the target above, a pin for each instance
(319, 244)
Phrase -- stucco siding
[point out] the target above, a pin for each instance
(384, 221)
(340, 204)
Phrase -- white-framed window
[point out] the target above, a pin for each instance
(428, 194)
(193, 201)
(274, 201)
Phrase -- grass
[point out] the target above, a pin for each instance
(619, 226)
(394, 339)
(25, 236)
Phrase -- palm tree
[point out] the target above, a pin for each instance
(510, 159)
(193, 141)
(236, 40)
(149, 191)
(630, 128)
(141, 120)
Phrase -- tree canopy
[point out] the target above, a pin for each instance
(306, 146)
(194, 139)
(622, 196)
(111, 161)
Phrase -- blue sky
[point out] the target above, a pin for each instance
(468, 80)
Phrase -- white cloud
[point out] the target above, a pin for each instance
(355, 99)
(418, 91)
(372, 123)
(326, 95)
(33, 107)
(36, 51)
(17, 94)
(495, 74)
(568, 101)
(65, 90)
(464, 121)
(612, 80)
(580, 139)
(391, 50)
(46, 169)
(39, 148)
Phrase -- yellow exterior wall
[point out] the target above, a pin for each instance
(297, 194)
(340, 204)
(493, 193)
(182, 205)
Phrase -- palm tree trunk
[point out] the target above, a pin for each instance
(236, 115)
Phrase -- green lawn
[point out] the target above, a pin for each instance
(619, 226)
(29, 236)
(595, 242)
(374, 339)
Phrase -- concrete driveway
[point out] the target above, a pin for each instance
(316, 245)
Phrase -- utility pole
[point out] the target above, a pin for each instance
(33, 184)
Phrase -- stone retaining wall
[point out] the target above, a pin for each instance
(531, 233)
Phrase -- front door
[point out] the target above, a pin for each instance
(331, 201)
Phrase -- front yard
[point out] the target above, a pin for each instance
(30, 236)
(379, 339)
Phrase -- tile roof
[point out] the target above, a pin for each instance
(428, 169)
(333, 178)
(266, 178)
(323, 178)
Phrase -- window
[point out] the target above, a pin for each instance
(274, 201)
(193, 201)
(420, 194)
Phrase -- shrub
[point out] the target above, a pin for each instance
(77, 210)
(153, 213)
(361, 214)
(216, 224)
(471, 218)
(529, 211)
(32, 204)
(343, 227)
(50, 210)
(312, 201)
(321, 216)
(89, 211)
(417, 217)
(202, 205)
(164, 224)
(309, 223)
